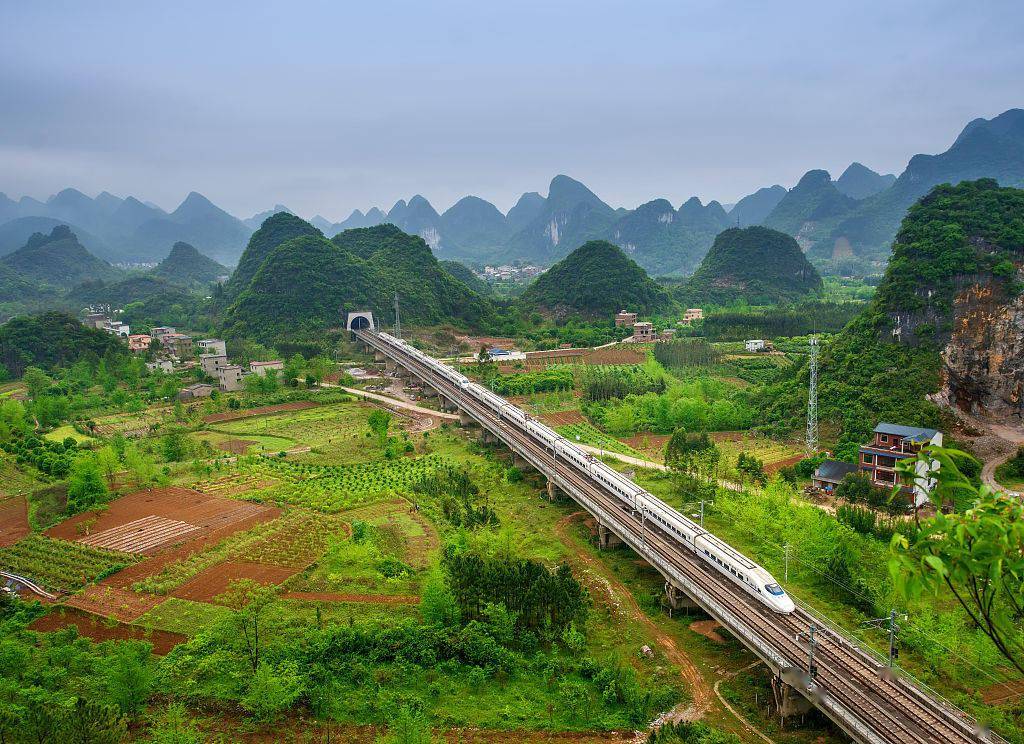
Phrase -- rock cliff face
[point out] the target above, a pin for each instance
(983, 361)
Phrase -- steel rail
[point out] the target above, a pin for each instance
(850, 688)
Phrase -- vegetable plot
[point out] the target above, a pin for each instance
(59, 564)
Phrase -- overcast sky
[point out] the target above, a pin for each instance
(329, 106)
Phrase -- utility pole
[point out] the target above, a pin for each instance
(812, 643)
(787, 562)
(398, 320)
(893, 627)
(812, 399)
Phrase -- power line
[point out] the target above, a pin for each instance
(812, 400)
(398, 320)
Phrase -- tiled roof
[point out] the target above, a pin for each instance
(834, 470)
(913, 433)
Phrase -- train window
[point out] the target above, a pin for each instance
(774, 589)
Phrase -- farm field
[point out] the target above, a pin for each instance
(585, 433)
(64, 432)
(132, 425)
(60, 565)
(147, 521)
(13, 519)
(337, 432)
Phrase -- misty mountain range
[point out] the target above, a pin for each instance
(853, 218)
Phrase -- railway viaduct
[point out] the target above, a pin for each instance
(848, 682)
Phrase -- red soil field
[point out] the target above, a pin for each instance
(562, 418)
(298, 405)
(128, 576)
(236, 446)
(182, 505)
(774, 467)
(99, 629)
(214, 580)
(13, 520)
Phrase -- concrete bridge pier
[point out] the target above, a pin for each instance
(389, 364)
(465, 419)
(606, 538)
(378, 356)
(486, 436)
(676, 599)
(520, 462)
(429, 392)
(788, 700)
(554, 491)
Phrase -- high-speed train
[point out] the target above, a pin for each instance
(719, 555)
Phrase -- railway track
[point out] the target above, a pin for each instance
(851, 685)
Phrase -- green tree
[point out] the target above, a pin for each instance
(272, 690)
(977, 555)
(140, 467)
(438, 604)
(379, 421)
(93, 723)
(409, 725)
(175, 445)
(37, 381)
(129, 676)
(175, 726)
(249, 602)
(86, 487)
(109, 463)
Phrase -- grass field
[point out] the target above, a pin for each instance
(182, 616)
(63, 432)
(590, 435)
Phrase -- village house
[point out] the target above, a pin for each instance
(117, 328)
(261, 368)
(139, 343)
(199, 390)
(891, 444)
(692, 314)
(160, 331)
(643, 332)
(230, 378)
(177, 344)
(212, 346)
(212, 363)
(756, 345)
(625, 319)
(95, 320)
(830, 474)
(160, 365)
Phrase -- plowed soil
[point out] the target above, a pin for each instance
(215, 418)
(128, 576)
(774, 467)
(563, 418)
(99, 629)
(133, 514)
(13, 520)
(214, 580)
(236, 446)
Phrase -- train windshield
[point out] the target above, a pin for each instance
(774, 589)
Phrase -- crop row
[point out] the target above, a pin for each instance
(335, 488)
(292, 541)
(59, 564)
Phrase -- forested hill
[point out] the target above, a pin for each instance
(57, 259)
(52, 339)
(950, 291)
(465, 275)
(275, 230)
(753, 264)
(595, 281)
(186, 265)
(307, 283)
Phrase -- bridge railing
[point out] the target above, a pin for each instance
(749, 635)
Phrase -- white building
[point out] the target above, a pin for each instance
(230, 378)
(261, 368)
(755, 344)
(213, 363)
(160, 365)
(212, 346)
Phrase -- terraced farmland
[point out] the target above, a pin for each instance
(59, 564)
(336, 488)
